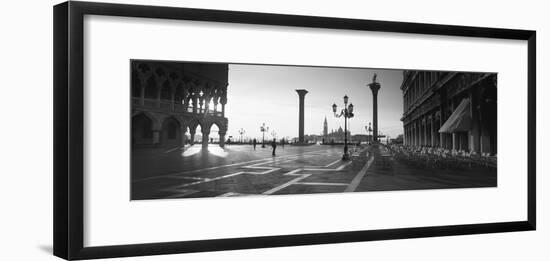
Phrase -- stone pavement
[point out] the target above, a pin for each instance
(238, 170)
(387, 173)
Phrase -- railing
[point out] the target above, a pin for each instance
(168, 106)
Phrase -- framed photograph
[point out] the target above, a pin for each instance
(182, 130)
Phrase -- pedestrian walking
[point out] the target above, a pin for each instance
(274, 146)
(254, 142)
(283, 142)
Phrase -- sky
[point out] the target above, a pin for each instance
(266, 93)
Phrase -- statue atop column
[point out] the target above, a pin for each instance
(374, 86)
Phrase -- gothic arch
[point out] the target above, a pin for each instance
(166, 91)
(156, 120)
(142, 129)
(174, 117)
(193, 124)
(151, 88)
(170, 133)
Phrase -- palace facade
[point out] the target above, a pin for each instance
(450, 110)
(171, 99)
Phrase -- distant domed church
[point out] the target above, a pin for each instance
(334, 136)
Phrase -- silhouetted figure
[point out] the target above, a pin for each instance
(274, 146)
(283, 142)
(254, 143)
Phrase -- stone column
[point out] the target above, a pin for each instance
(182, 133)
(201, 103)
(192, 136)
(222, 138)
(374, 86)
(485, 142)
(441, 122)
(142, 95)
(455, 141)
(433, 132)
(156, 137)
(205, 137)
(185, 104)
(159, 90)
(426, 141)
(422, 133)
(475, 131)
(409, 134)
(412, 134)
(302, 94)
(195, 105)
(415, 138)
(416, 133)
(223, 101)
(405, 135)
(173, 101)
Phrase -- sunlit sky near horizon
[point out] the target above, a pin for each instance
(266, 93)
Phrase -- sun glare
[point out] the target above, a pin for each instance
(212, 150)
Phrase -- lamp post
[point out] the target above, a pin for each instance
(347, 112)
(369, 130)
(263, 129)
(241, 132)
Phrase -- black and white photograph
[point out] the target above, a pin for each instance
(275, 130)
(205, 129)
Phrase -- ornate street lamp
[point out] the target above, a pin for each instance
(241, 132)
(347, 113)
(263, 129)
(369, 130)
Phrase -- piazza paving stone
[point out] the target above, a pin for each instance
(239, 170)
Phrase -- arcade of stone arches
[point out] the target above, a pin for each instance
(149, 128)
(465, 120)
(170, 102)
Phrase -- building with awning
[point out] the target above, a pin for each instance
(460, 120)
(450, 110)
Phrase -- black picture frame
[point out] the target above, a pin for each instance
(69, 118)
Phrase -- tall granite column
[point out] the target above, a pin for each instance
(374, 86)
(302, 94)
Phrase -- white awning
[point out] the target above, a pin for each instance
(460, 119)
